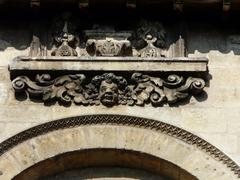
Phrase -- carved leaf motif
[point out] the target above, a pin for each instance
(173, 95)
(23, 83)
(157, 81)
(44, 79)
(142, 98)
(62, 95)
(109, 89)
(157, 97)
(108, 47)
(79, 99)
(48, 95)
(60, 81)
(70, 85)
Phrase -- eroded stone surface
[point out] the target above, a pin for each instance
(214, 116)
(45, 146)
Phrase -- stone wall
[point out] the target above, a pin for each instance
(214, 116)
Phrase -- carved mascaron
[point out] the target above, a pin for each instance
(109, 89)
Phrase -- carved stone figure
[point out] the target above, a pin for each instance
(108, 93)
(110, 88)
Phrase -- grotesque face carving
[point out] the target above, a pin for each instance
(108, 93)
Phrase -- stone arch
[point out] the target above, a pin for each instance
(161, 140)
(103, 158)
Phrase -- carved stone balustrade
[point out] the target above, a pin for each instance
(109, 81)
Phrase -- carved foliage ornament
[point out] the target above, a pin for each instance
(108, 47)
(109, 90)
(107, 42)
(64, 41)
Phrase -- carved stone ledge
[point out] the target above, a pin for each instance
(86, 63)
(109, 81)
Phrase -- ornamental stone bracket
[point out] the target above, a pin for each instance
(108, 81)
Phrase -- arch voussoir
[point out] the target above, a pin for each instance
(161, 140)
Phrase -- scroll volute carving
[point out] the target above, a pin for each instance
(107, 42)
(109, 89)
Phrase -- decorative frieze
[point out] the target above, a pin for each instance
(108, 66)
(109, 89)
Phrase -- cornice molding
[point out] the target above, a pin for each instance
(109, 81)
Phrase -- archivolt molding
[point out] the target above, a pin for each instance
(165, 128)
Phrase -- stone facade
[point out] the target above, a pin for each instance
(212, 115)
